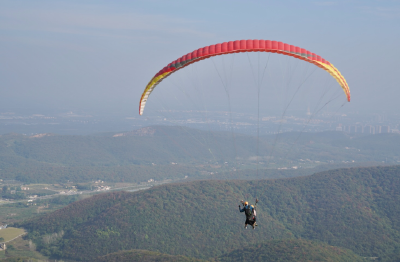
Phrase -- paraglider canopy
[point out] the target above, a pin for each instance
(242, 46)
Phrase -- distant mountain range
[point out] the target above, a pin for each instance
(161, 152)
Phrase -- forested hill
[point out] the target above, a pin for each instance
(299, 250)
(356, 208)
(143, 256)
(162, 152)
(290, 250)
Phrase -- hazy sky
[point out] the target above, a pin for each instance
(101, 54)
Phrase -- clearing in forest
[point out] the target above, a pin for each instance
(10, 233)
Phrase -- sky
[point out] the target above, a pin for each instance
(99, 55)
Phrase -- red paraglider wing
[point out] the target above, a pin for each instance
(242, 46)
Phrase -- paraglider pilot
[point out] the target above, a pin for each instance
(250, 212)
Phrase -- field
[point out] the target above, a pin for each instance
(10, 233)
(11, 212)
(15, 212)
(20, 248)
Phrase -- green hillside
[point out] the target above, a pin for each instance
(356, 208)
(275, 250)
(143, 256)
(290, 250)
(162, 152)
